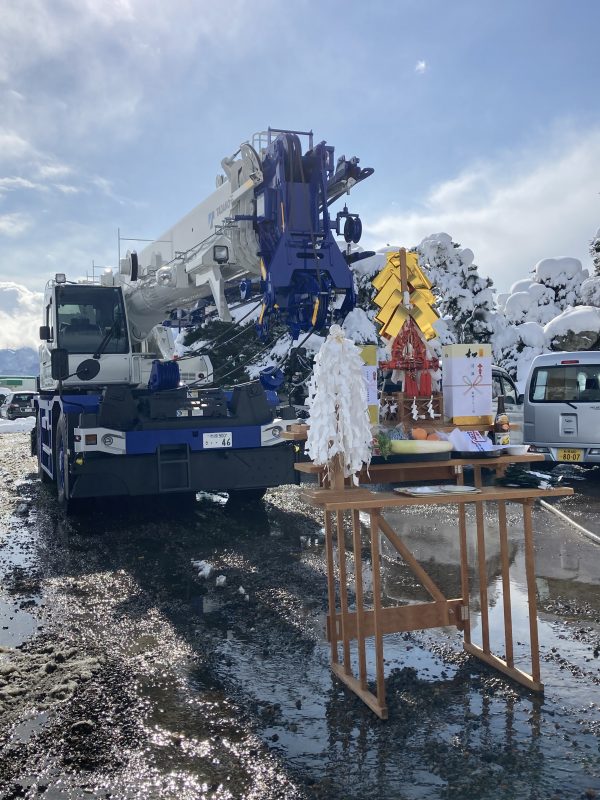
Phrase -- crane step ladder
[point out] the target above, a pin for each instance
(174, 468)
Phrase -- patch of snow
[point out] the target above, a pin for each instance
(501, 300)
(17, 425)
(532, 334)
(590, 291)
(520, 286)
(561, 270)
(359, 328)
(205, 568)
(517, 306)
(221, 580)
(252, 308)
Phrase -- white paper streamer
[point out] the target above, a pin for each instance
(337, 399)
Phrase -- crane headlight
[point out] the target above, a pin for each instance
(166, 276)
(221, 253)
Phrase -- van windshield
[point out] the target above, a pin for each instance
(573, 383)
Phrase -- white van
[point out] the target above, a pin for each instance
(562, 407)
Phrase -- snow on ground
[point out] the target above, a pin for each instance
(17, 425)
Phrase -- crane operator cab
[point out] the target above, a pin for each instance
(86, 321)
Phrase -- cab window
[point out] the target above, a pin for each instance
(509, 391)
(85, 315)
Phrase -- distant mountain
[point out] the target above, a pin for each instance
(22, 361)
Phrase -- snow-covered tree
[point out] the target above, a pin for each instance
(563, 276)
(515, 346)
(590, 291)
(530, 301)
(595, 252)
(465, 298)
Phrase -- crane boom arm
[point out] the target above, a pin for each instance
(268, 219)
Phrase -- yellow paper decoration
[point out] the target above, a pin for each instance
(392, 312)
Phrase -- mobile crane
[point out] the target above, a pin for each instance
(116, 415)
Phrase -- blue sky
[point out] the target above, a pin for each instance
(480, 118)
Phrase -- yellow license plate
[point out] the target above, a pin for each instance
(569, 454)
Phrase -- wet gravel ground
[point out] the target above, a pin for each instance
(128, 671)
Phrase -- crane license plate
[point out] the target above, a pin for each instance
(569, 454)
(214, 439)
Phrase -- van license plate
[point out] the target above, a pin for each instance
(221, 439)
(569, 454)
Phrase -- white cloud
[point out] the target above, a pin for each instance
(20, 316)
(88, 68)
(66, 188)
(14, 224)
(53, 170)
(69, 247)
(420, 67)
(7, 184)
(512, 212)
(13, 146)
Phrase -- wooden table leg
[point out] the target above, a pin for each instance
(483, 593)
(360, 606)
(502, 529)
(331, 614)
(341, 543)
(464, 560)
(531, 588)
(376, 565)
(464, 572)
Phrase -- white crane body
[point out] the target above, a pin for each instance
(116, 414)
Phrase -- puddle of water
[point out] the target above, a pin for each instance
(16, 625)
(30, 726)
(448, 735)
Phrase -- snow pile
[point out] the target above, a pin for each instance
(16, 425)
(575, 329)
(339, 419)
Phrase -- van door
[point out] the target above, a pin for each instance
(565, 400)
(501, 384)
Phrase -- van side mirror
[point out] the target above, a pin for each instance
(520, 399)
(59, 364)
(45, 333)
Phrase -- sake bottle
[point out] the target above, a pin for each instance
(501, 424)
